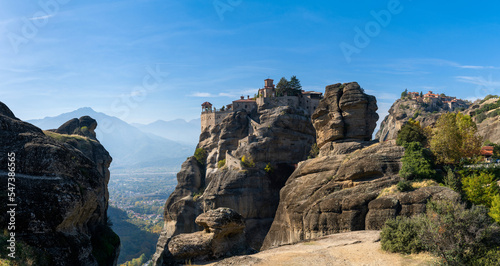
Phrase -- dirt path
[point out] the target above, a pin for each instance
(351, 248)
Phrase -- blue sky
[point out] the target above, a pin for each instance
(144, 60)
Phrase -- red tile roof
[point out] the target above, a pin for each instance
(487, 151)
(244, 101)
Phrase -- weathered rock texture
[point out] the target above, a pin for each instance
(339, 190)
(223, 236)
(61, 194)
(402, 110)
(489, 127)
(279, 138)
(346, 112)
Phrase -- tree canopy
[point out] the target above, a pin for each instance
(455, 137)
(411, 132)
(290, 88)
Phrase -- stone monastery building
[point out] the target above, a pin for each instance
(266, 99)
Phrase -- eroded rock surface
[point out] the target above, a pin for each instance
(346, 112)
(61, 192)
(276, 138)
(223, 236)
(339, 190)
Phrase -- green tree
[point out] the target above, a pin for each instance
(417, 163)
(481, 189)
(295, 86)
(404, 93)
(421, 94)
(282, 87)
(411, 131)
(455, 137)
(495, 208)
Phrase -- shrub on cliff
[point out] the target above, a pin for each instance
(247, 162)
(221, 163)
(201, 156)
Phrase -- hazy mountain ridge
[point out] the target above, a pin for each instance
(129, 146)
(180, 130)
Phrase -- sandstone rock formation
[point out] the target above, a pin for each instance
(489, 127)
(84, 126)
(61, 192)
(346, 112)
(275, 138)
(401, 111)
(222, 236)
(339, 190)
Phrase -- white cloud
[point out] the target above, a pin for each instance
(42, 17)
(202, 94)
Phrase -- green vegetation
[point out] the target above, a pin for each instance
(459, 236)
(404, 93)
(411, 131)
(104, 243)
(25, 255)
(489, 96)
(487, 107)
(269, 168)
(452, 180)
(404, 186)
(201, 156)
(136, 262)
(221, 163)
(417, 163)
(402, 235)
(480, 189)
(455, 137)
(495, 208)
(314, 152)
(290, 88)
(247, 162)
(416, 114)
(134, 241)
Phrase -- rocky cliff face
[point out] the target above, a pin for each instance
(488, 123)
(271, 141)
(340, 190)
(61, 193)
(402, 110)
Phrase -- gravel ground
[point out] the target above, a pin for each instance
(351, 248)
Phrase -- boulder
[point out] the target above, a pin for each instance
(223, 236)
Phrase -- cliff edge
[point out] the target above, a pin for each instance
(61, 194)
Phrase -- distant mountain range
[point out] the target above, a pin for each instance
(130, 147)
(178, 130)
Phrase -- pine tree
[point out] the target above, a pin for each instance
(295, 85)
(404, 93)
(282, 87)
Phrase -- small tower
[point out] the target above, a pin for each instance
(268, 90)
(206, 106)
